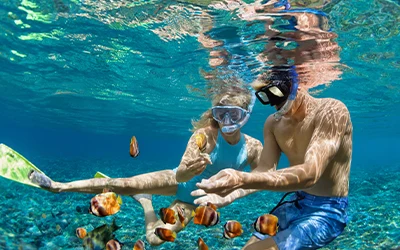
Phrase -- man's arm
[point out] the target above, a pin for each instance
(330, 126)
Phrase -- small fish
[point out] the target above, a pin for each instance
(266, 224)
(134, 148)
(201, 141)
(181, 215)
(80, 232)
(105, 204)
(139, 245)
(58, 228)
(232, 229)
(114, 244)
(201, 244)
(206, 215)
(165, 234)
(209, 204)
(168, 215)
(98, 237)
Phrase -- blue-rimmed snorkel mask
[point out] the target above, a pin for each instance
(281, 89)
(232, 117)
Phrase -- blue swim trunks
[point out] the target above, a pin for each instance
(311, 222)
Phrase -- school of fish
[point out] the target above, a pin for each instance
(109, 203)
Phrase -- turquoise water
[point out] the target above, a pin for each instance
(79, 78)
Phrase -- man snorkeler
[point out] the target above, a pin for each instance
(316, 136)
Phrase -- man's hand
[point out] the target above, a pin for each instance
(223, 183)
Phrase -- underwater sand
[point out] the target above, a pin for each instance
(36, 219)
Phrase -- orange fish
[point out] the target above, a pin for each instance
(266, 224)
(181, 215)
(232, 229)
(201, 244)
(139, 245)
(165, 234)
(134, 148)
(114, 245)
(80, 232)
(206, 215)
(105, 204)
(168, 215)
(201, 141)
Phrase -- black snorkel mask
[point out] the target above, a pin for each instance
(275, 93)
(281, 89)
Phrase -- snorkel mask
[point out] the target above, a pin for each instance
(281, 89)
(232, 117)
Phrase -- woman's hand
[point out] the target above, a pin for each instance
(215, 199)
(193, 167)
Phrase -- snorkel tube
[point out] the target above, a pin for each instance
(234, 127)
(293, 93)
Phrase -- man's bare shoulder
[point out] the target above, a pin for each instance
(334, 112)
(332, 106)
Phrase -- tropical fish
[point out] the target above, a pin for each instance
(168, 215)
(98, 237)
(201, 141)
(80, 232)
(139, 245)
(206, 215)
(232, 229)
(134, 148)
(114, 244)
(201, 244)
(105, 204)
(266, 224)
(181, 215)
(165, 234)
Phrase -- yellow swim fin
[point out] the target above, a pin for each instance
(100, 175)
(15, 167)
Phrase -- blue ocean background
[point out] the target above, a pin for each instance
(77, 81)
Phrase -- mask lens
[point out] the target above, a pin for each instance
(234, 114)
(263, 96)
(276, 91)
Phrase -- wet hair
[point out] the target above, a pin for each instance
(234, 96)
(281, 73)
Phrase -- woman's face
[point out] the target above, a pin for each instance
(230, 118)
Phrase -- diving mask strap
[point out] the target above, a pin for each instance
(234, 127)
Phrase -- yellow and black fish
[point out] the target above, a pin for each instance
(114, 244)
(105, 204)
(165, 234)
(80, 232)
(139, 245)
(181, 215)
(98, 237)
(266, 224)
(168, 215)
(206, 215)
(232, 229)
(201, 141)
(134, 147)
(201, 244)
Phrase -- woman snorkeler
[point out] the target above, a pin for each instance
(225, 147)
